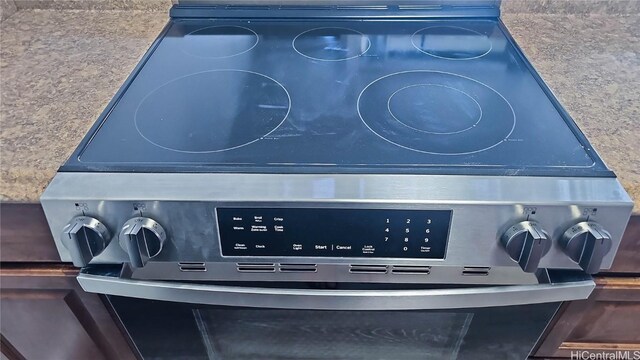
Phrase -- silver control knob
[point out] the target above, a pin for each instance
(85, 238)
(142, 238)
(587, 243)
(526, 243)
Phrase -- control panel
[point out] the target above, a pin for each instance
(337, 228)
(324, 232)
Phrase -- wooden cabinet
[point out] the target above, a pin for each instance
(628, 256)
(606, 322)
(46, 315)
(25, 234)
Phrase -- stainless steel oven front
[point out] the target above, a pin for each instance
(191, 320)
(242, 266)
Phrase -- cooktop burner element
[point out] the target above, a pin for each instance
(451, 42)
(436, 112)
(434, 109)
(174, 118)
(331, 44)
(218, 42)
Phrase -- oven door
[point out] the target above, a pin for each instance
(169, 320)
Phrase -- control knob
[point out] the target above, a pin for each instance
(526, 243)
(142, 238)
(587, 243)
(85, 238)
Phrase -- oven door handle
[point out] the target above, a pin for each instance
(287, 298)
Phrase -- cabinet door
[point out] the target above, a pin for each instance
(46, 315)
(608, 321)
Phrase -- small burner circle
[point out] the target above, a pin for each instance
(220, 41)
(331, 44)
(191, 114)
(424, 105)
(467, 117)
(451, 42)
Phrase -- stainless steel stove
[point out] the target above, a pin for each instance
(258, 148)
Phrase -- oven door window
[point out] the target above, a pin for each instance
(168, 330)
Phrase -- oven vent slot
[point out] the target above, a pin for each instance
(410, 270)
(256, 267)
(192, 266)
(475, 271)
(298, 268)
(368, 269)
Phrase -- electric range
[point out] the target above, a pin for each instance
(366, 144)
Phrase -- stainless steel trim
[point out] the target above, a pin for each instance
(337, 188)
(430, 299)
(483, 208)
(225, 271)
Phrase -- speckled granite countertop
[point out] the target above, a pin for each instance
(59, 69)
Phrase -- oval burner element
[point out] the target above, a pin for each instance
(331, 44)
(434, 109)
(451, 42)
(218, 42)
(192, 114)
(434, 112)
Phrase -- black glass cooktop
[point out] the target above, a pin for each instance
(440, 96)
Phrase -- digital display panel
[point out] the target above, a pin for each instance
(334, 232)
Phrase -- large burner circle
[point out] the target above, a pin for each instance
(212, 111)
(436, 112)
